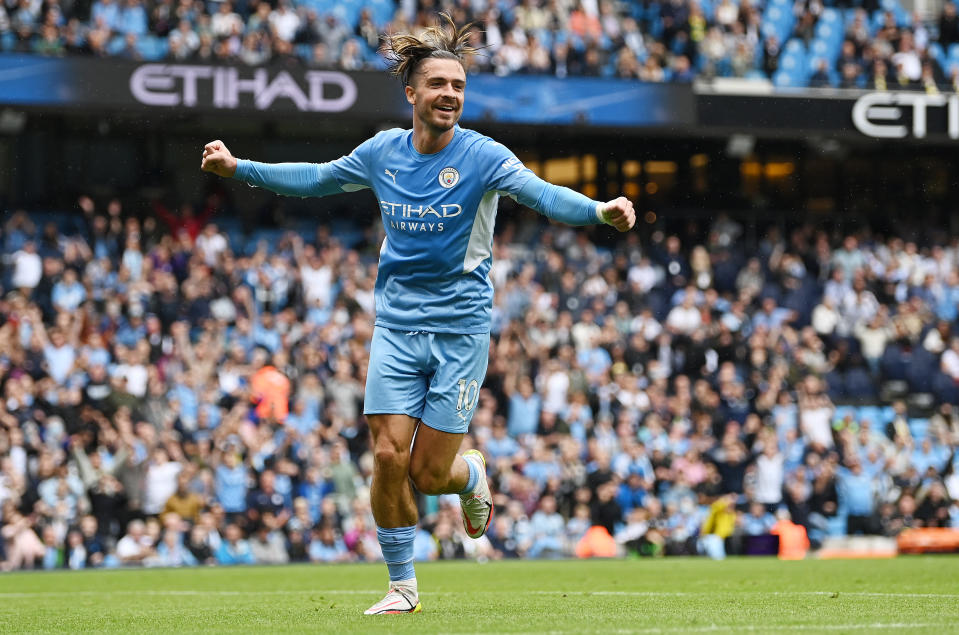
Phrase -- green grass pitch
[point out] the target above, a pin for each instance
(912, 594)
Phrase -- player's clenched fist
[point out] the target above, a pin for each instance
(217, 159)
(620, 214)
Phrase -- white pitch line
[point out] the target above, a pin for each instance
(651, 594)
(741, 593)
(751, 628)
(183, 592)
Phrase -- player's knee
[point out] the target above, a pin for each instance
(390, 458)
(426, 481)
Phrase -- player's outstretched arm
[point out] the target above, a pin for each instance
(290, 179)
(570, 207)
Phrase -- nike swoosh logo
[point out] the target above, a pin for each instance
(391, 604)
(469, 526)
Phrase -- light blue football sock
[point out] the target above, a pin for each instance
(474, 477)
(397, 545)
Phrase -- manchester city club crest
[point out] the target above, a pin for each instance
(449, 177)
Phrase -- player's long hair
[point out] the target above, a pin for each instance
(405, 51)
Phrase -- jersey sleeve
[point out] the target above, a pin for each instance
(559, 203)
(289, 179)
(352, 172)
(507, 173)
(346, 174)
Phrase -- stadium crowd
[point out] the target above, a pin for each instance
(177, 395)
(861, 45)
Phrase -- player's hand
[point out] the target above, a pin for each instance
(217, 159)
(620, 214)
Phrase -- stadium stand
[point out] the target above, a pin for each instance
(179, 391)
(806, 43)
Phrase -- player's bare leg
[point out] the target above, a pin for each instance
(436, 468)
(391, 496)
(394, 509)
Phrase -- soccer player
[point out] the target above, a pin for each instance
(437, 186)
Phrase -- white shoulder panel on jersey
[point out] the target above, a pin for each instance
(480, 246)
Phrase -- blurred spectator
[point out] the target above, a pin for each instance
(136, 546)
(234, 549)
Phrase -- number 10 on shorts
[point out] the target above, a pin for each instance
(469, 393)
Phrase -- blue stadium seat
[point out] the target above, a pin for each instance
(792, 64)
(918, 428)
(888, 414)
(828, 49)
(775, 14)
(768, 29)
(843, 411)
(795, 46)
(829, 32)
(381, 11)
(7, 41)
(348, 12)
(813, 63)
(936, 52)
(872, 414)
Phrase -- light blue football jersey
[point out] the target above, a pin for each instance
(438, 211)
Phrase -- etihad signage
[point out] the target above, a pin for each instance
(897, 115)
(78, 83)
(851, 115)
(227, 87)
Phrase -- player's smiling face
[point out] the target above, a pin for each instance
(437, 93)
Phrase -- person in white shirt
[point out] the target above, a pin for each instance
(223, 22)
(815, 413)
(285, 21)
(160, 482)
(646, 325)
(950, 359)
(825, 318)
(643, 276)
(684, 318)
(27, 267)
(316, 275)
(211, 243)
(554, 384)
(769, 473)
(136, 546)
